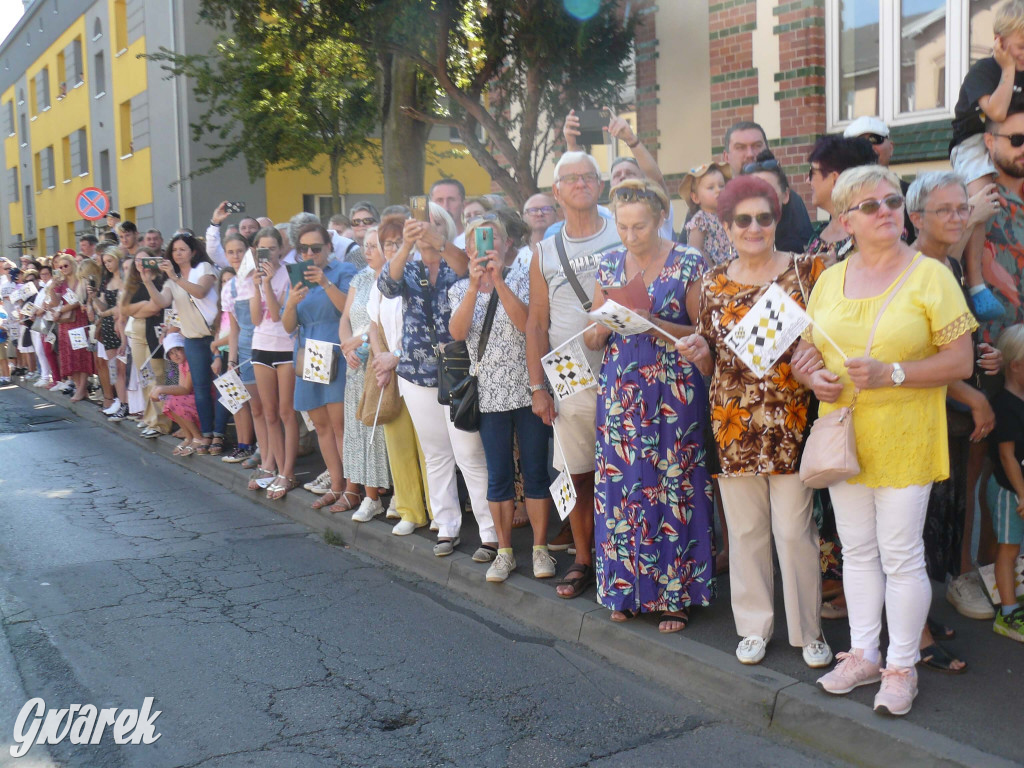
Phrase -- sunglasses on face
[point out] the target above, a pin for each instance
(314, 248)
(765, 165)
(1016, 139)
(366, 222)
(870, 207)
(874, 138)
(744, 220)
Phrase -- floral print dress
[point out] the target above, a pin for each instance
(653, 498)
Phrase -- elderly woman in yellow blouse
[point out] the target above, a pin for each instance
(922, 343)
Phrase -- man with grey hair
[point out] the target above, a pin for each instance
(286, 243)
(562, 279)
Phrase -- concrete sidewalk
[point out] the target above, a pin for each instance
(966, 720)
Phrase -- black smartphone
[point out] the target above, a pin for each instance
(262, 255)
(236, 206)
(592, 126)
(419, 205)
(484, 242)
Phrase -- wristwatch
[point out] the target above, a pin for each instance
(898, 375)
(537, 388)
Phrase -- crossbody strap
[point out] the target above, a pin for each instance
(428, 305)
(888, 300)
(570, 273)
(485, 331)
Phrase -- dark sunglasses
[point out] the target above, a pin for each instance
(636, 195)
(316, 248)
(870, 207)
(874, 138)
(770, 164)
(744, 220)
(1016, 139)
(364, 222)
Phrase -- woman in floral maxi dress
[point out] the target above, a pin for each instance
(653, 500)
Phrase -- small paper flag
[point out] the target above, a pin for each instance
(318, 357)
(568, 370)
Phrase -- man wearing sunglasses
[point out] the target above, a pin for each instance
(876, 132)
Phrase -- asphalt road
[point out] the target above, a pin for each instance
(122, 577)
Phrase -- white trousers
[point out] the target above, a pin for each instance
(881, 530)
(41, 361)
(758, 509)
(444, 447)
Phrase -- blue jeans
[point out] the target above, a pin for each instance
(496, 433)
(199, 356)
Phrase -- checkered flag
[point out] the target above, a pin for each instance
(568, 370)
(767, 330)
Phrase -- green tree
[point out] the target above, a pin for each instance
(275, 104)
(503, 72)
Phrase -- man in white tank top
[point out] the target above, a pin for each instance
(555, 314)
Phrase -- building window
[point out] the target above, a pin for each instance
(52, 235)
(76, 75)
(902, 60)
(120, 26)
(12, 183)
(97, 30)
(65, 159)
(125, 124)
(9, 117)
(99, 75)
(41, 91)
(105, 171)
(79, 153)
(45, 170)
(24, 129)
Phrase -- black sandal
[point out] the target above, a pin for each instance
(682, 616)
(626, 616)
(940, 631)
(936, 657)
(579, 583)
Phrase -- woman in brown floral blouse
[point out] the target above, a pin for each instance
(759, 426)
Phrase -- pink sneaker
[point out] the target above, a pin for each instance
(851, 671)
(899, 689)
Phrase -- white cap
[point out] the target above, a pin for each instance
(863, 125)
(173, 340)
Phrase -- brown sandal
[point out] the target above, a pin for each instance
(343, 504)
(328, 498)
(579, 583)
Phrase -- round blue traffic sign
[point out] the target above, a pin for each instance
(92, 203)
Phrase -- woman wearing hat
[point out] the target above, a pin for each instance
(700, 188)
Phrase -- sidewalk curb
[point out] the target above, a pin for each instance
(757, 695)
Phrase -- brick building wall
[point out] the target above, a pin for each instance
(734, 90)
(646, 50)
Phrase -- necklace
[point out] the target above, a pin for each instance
(652, 262)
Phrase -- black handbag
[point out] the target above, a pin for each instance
(465, 394)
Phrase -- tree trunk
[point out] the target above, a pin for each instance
(403, 139)
(334, 159)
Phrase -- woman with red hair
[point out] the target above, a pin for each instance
(758, 424)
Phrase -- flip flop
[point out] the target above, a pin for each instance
(936, 657)
(677, 617)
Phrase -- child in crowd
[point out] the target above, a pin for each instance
(700, 188)
(1006, 485)
(179, 400)
(988, 90)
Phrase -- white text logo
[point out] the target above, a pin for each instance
(82, 725)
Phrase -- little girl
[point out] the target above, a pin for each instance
(179, 401)
(700, 188)
(1006, 484)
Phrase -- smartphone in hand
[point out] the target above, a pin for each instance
(419, 205)
(484, 242)
(149, 262)
(236, 206)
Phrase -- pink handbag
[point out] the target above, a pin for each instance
(830, 451)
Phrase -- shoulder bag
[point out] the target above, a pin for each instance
(389, 399)
(830, 451)
(465, 395)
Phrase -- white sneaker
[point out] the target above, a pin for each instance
(57, 385)
(113, 407)
(404, 528)
(321, 485)
(967, 595)
(501, 568)
(392, 513)
(44, 382)
(368, 509)
(817, 654)
(751, 649)
(543, 564)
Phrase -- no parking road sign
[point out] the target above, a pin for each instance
(92, 203)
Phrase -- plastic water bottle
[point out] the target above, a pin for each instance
(363, 351)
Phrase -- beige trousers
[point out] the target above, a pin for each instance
(153, 415)
(758, 508)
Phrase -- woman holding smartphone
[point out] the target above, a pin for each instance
(314, 313)
(274, 364)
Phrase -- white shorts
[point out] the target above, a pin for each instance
(576, 426)
(970, 159)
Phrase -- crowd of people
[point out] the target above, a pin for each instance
(441, 318)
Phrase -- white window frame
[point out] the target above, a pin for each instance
(957, 63)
